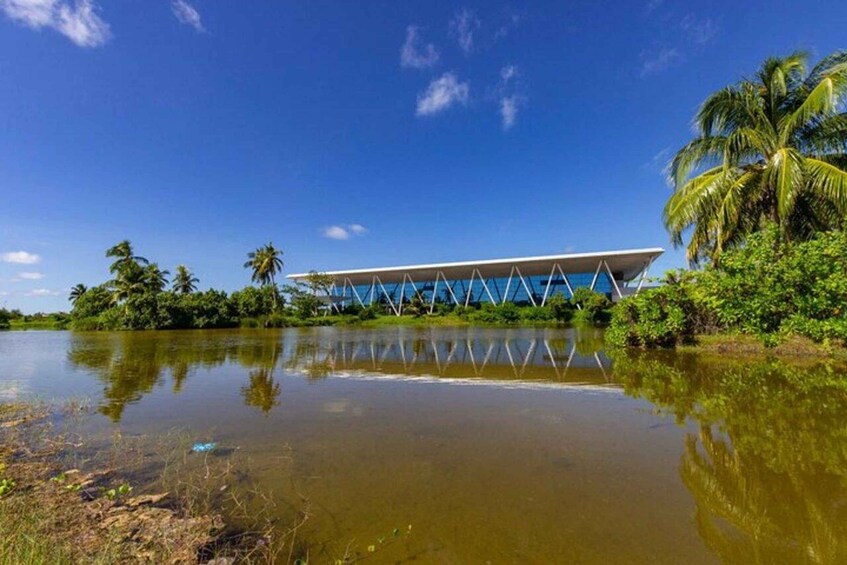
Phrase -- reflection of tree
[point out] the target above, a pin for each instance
(768, 469)
(132, 364)
(262, 392)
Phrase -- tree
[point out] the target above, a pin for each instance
(265, 263)
(124, 255)
(76, 293)
(155, 279)
(769, 149)
(184, 280)
(131, 281)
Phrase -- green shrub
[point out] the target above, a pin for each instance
(592, 307)
(658, 317)
(5, 319)
(560, 308)
(369, 313)
(253, 302)
(537, 314)
(92, 302)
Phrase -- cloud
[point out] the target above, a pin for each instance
(699, 31)
(42, 292)
(463, 25)
(342, 233)
(513, 19)
(30, 276)
(21, 257)
(653, 5)
(441, 94)
(411, 56)
(653, 62)
(187, 14)
(509, 111)
(78, 22)
(510, 101)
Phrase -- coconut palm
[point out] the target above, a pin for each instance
(772, 148)
(124, 255)
(184, 280)
(76, 293)
(131, 281)
(265, 262)
(155, 279)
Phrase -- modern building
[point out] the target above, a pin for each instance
(522, 280)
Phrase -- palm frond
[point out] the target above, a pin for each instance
(827, 180)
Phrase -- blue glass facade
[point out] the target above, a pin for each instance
(471, 291)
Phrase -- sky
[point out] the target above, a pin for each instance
(354, 134)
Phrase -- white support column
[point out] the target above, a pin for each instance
(402, 293)
(470, 289)
(485, 286)
(356, 294)
(387, 297)
(612, 277)
(565, 278)
(525, 287)
(596, 274)
(447, 284)
(547, 288)
(644, 275)
(434, 294)
(331, 296)
(508, 284)
(372, 292)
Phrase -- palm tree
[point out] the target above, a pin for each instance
(76, 293)
(124, 255)
(770, 149)
(184, 280)
(155, 279)
(265, 263)
(131, 281)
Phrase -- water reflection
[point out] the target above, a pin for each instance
(132, 364)
(768, 465)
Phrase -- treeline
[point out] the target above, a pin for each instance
(770, 288)
(141, 296)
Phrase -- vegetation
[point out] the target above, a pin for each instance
(770, 149)
(137, 298)
(770, 288)
(765, 461)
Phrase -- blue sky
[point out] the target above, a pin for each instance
(353, 134)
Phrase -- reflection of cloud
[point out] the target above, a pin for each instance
(12, 390)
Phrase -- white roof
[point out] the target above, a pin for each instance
(626, 264)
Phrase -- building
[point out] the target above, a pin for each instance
(522, 280)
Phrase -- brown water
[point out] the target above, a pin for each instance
(501, 446)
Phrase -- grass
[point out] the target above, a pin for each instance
(37, 325)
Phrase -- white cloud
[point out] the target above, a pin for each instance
(336, 232)
(509, 111)
(441, 94)
(43, 292)
(78, 22)
(30, 276)
(344, 232)
(510, 100)
(512, 21)
(411, 56)
(653, 5)
(21, 257)
(187, 14)
(653, 62)
(699, 31)
(508, 72)
(463, 25)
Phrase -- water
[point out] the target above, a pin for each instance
(500, 446)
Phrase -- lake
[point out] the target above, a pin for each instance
(483, 445)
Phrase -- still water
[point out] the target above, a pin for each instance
(500, 446)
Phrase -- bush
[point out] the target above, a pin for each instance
(369, 313)
(5, 319)
(488, 313)
(537, 314)
(560, 308)
(92, 302)
(592, 307)
(252, 302)
(658, 317)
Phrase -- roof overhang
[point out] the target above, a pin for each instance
(626, 264)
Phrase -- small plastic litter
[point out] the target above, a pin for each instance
(204, 447)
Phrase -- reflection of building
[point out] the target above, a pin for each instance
(522, 280)
(498, 358)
